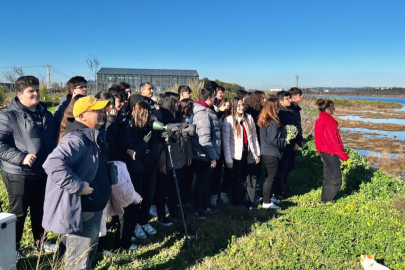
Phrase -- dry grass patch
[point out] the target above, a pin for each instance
(370, 125)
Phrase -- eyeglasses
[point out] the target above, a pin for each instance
(287, 99)
(81, 87)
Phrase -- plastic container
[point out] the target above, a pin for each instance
(7, 241)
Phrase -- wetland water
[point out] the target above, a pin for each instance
(368, 133)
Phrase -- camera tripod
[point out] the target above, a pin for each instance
(178, 194)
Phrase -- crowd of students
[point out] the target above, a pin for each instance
(65, 167)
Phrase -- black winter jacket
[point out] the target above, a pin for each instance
(20, 136)
(60, 111)
(297, 119)
(271, 142)
(287, 118)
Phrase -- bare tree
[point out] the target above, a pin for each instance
(12, 75)
(9, 76)
(18, 71)
(93, 63)
(42, 80)
(55, 85)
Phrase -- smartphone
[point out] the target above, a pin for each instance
(150, 133)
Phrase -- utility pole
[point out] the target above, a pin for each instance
(48, 76)
(296, 79)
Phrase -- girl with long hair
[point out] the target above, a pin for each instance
(139, 131)
(67, 114)
(271, 145)
(181, 153)
(330, 147)
(241, 151)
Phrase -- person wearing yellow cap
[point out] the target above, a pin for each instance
(79, 183)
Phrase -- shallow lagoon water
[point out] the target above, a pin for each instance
(374, 120)
(368, 152)
(399, 135)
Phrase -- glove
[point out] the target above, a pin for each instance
(147, 137)
(131, 153)
(229, 165)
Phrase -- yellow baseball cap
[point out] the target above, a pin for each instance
(88, 103)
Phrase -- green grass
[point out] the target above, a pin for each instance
(368, 217)
(359, 103)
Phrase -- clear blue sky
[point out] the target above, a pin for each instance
(258, 44)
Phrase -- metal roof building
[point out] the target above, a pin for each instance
(161, 79)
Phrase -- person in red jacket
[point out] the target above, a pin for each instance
(330, 148)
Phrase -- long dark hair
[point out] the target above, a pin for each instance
(236, 124)
(186, 106)
(169, 102)
(67, 114)
(140, 116)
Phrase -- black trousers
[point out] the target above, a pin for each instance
(23, 192)
(202, 187)
(166, 188)
(220, 172)
(271, 166)
(131, 212)
(332, 177)
(147, 193)
(290, 166)
(186, 184)
(244, 172)
(282, 173)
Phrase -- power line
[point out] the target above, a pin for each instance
(59, 72)
(22, 67)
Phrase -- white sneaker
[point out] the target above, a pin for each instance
(148, 229)
(139, 233)
(133, 247)
(49, 247)
(270, 206)
(275, 200)
(214, 199)
(224, 197)
(153, 211)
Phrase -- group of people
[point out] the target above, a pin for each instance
(100, 156)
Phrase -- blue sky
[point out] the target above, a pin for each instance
(258, 44)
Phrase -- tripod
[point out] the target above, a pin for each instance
(178, 196)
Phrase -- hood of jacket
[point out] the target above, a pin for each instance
(72, 125)
(18, 106)
(198, 107)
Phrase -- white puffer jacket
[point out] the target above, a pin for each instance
(122, 195)
(233, 146)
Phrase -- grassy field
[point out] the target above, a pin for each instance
(368, 217)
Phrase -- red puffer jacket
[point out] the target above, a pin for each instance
(327, 137)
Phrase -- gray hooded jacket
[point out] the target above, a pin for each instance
(74, 161)
(207, 141)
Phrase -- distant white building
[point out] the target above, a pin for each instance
(276, 90)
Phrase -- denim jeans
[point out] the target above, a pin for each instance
(82, 246)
